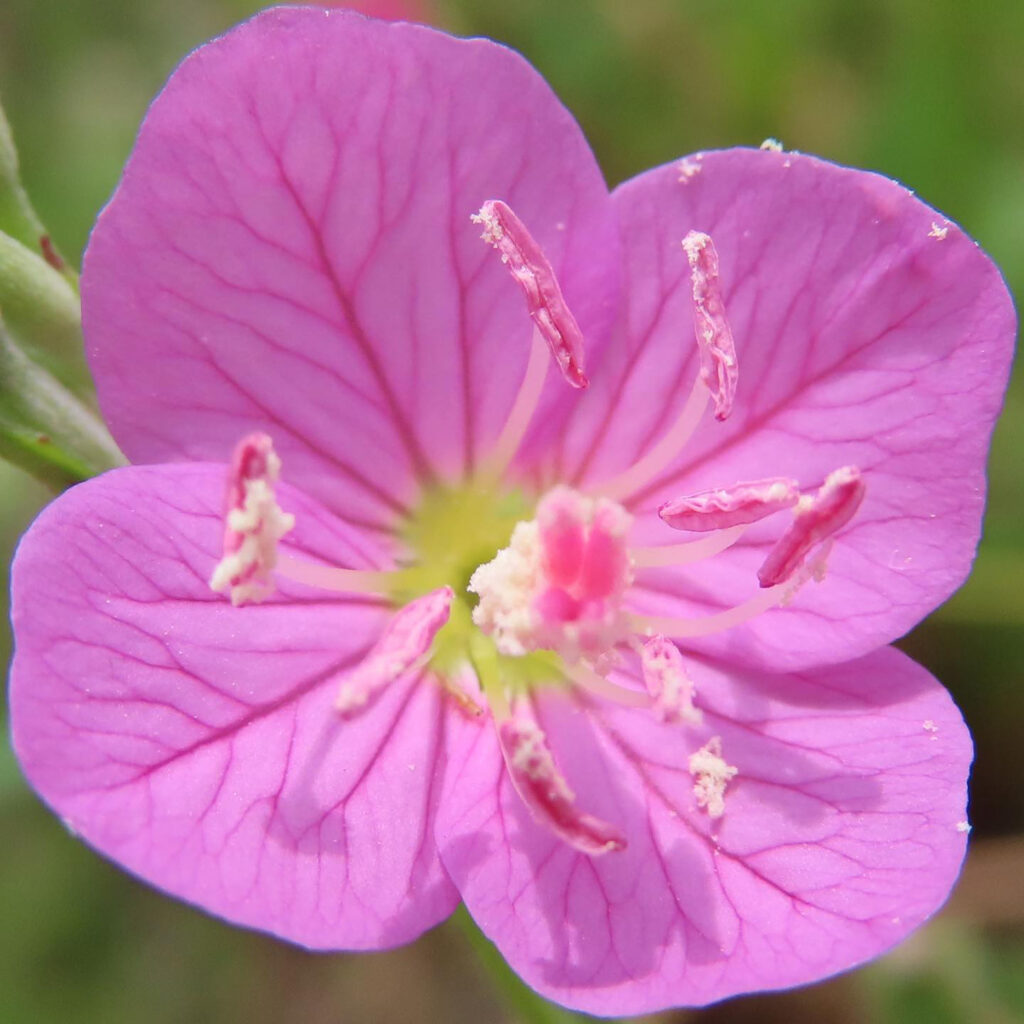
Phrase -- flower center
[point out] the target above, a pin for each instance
(497, 603)
(559, 584)
(453, 531)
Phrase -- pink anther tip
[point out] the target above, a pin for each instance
(530, 267)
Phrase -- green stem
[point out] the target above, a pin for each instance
(44, 428)
(41, 311)
(526, 1005)
(17, 217)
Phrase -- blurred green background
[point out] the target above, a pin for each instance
(927, 91)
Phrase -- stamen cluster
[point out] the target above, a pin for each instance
(561, 585)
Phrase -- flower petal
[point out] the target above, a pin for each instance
(843, 829)
(864, 339)
(290, 249)
(196, 743)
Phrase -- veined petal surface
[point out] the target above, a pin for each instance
(196, 743)
(290, 250)
(870, 331)
(842, 831)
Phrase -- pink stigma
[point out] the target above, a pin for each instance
(719, 369)
(739, 505)
(545, 792)
(814, 521)
(558, 585)
(544, 301)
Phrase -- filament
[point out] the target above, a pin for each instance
(690, 551)
(708, 624)
(587, 679)
(665, 450)
(523, 408)
(329, 577)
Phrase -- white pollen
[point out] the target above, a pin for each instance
(493, 232)
(689, 168)
(929, 726)
(262, 523)
(712, 775)
(694, 244)
(938, 231)
(815, 568)
(772, 145)
(963, 826)
(506, 586)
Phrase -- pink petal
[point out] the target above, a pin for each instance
(839, 836)
(196, 744)
(864, 340)
(291, 250)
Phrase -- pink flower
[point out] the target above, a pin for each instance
(653, 779)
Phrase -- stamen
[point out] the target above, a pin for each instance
(544, 301)
(719, 369)
(708, 624)
(712, 775)
(454, 690)
(523, 408)
(546, 793)
(690, 551)
(664, 451)
(667, 681)
(719, 509)
(587, 679)
(254, 523)
(344, 581)
(405, 641)
(815, 520)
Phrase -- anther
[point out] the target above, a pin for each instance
(667, 681)
(742, 504)
(711, 775)
(404, 643)
(718, 366)
(544, 300)
(814, 521)
(254, 523)
(546, 793)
